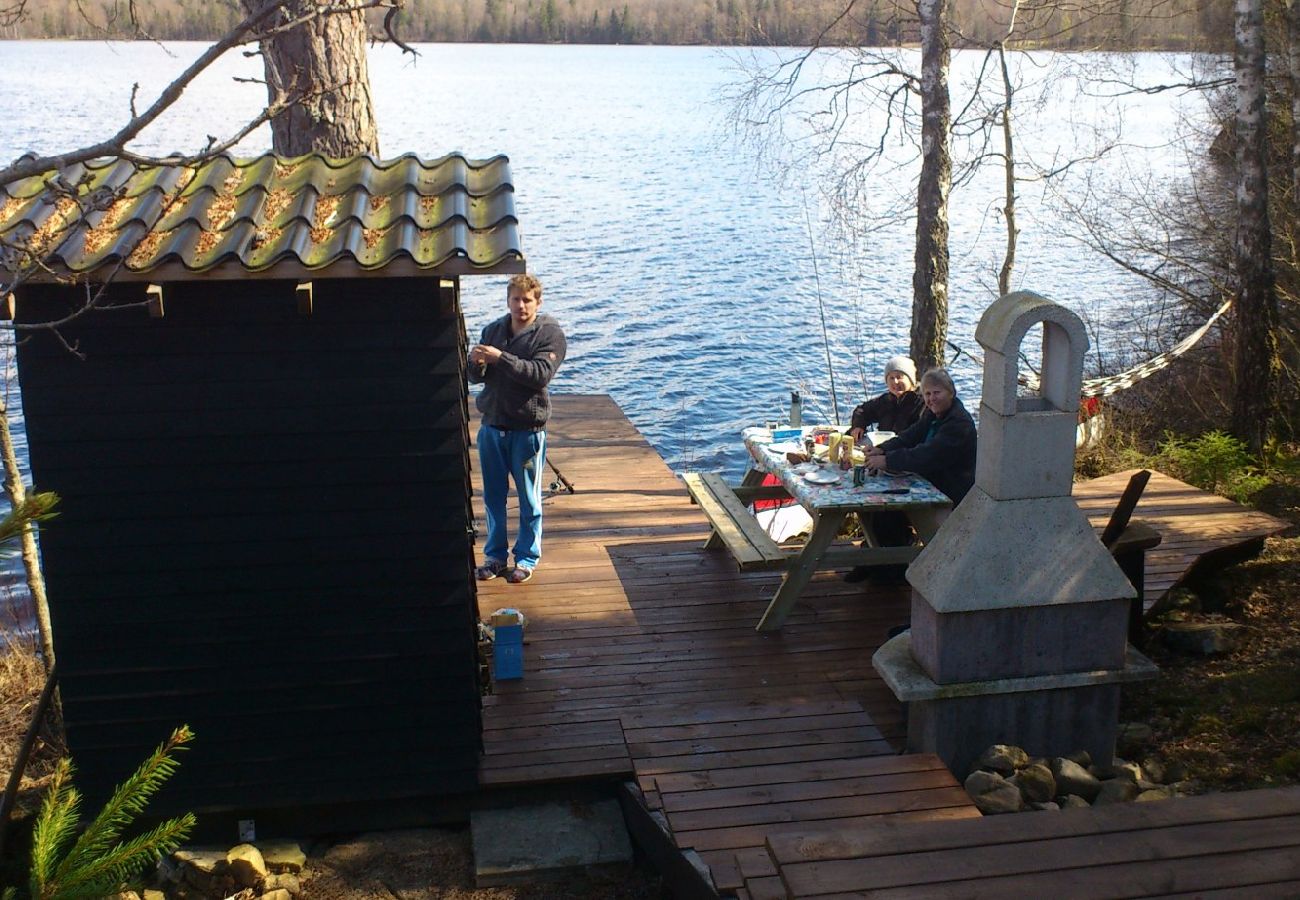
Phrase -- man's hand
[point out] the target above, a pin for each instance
(483, 355)
(857, 434)
(876, 459)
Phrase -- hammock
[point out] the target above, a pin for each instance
(1113, 384)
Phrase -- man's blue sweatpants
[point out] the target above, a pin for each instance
(521, 456)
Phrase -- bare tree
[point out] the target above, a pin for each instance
(930, 270)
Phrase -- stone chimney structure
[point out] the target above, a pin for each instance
(1019, 614)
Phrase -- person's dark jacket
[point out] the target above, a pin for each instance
(514, 393)
(889, 413)
(941, 450)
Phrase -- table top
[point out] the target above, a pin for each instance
(842, 495)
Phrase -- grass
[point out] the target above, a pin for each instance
(22, 677)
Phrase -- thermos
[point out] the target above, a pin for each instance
(796, 410)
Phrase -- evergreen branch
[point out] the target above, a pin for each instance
(55, 825)
(35, 508)
(128, 801)
(108, 872)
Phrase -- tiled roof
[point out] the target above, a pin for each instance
(271, 214)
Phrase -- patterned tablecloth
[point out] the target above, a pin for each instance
(815, 497)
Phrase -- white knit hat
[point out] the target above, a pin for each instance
(902, 364)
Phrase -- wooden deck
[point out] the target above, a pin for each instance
(1197, 528)
(642, 663)
(1222, 845)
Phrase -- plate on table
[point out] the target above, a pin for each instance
(804, 468)
(822, 476)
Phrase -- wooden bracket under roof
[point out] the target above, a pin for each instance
(154, 295)
(304, 292)
(447, 296)
(8, 308)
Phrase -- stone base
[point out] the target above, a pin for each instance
(1047, 715)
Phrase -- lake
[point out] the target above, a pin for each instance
(690, 284)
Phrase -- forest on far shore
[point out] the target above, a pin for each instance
(1105, 25)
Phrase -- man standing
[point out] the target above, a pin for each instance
(516, 357)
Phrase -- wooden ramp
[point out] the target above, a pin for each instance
(642, 665)
(1223, 845)
(1197, 528)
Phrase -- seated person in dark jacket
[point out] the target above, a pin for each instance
(896, 409)
(941, 446)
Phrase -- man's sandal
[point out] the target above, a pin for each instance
(518, 575)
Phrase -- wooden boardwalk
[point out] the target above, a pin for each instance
(1197, 528)
(1244, 845)
(642, 664)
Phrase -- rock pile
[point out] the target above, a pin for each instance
(268, 871)
(1006, 779)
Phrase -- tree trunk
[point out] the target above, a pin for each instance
(17, 492)
(930, 275)
(1256, 365)
(322, 65)
(1009, 170)
(1293, 66)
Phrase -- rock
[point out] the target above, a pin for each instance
(1132, 737)
(123, 895)
(1155, 771)
(992, 794)
(277, 894)
(205, 868)
(286, 880)
(154, 895)
(1073, 801)
(1201, 638)
(1081, 757)
(1003, 759)
(246, 865)
(1071, 778)
(1044, 807)
(1123, 769)
(1160, 793)
(1035, 782)
(1117, 790)
(283, 856)
(1174, 771)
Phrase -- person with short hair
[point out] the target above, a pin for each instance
(515, 359)
(898, 408)
(940, 447)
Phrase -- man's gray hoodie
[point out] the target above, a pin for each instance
(514, 393)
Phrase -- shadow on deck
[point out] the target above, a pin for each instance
(642, 665)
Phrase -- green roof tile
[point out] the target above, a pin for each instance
(255, 213)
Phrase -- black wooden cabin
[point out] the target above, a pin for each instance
(259, 434)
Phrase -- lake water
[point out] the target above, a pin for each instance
(686, 280)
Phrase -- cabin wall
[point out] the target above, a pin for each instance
(265, 533)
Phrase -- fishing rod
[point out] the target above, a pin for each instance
(817, 282)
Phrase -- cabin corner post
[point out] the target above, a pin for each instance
(1019, 614)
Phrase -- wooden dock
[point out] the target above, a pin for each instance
(642, 664)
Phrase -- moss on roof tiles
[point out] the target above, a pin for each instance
(259, 211)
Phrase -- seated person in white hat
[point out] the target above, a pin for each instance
(898, 408)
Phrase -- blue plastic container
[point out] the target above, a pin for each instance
(508, 653)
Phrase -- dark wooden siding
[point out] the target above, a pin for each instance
(265, 534)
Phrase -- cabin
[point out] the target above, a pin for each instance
(245, 379)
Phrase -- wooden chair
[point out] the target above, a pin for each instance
(1128, 542)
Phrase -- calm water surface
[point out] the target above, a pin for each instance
(684, 278)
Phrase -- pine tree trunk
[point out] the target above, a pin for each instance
(322, 63)
(1255, 361)
(930, 275)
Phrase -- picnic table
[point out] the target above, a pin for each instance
(734, 527)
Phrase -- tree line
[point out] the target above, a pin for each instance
(1140, 24)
